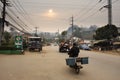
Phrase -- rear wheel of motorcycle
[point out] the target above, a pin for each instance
(77, 70)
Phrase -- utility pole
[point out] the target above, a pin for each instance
(109, 12)
(3, 20)
(4, 12)
(109, 6)
(58, 37)
(36, 31)
(72, 24)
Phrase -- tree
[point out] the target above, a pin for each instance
(106, 32)
(7, 37)
(64, 33)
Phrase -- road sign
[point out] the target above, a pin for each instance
(18, 42)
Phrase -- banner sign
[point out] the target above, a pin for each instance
(18, 42)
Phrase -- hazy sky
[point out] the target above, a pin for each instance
(51, 15)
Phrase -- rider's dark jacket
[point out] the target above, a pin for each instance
(74, 52)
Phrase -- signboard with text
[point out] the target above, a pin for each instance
(18, 42)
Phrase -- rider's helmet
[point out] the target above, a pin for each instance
(74, 44)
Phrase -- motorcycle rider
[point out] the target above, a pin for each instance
(74, 52)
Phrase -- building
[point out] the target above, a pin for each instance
(119, 33)
(118, 29)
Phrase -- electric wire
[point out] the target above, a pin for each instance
(18, 18)
(115, 1)
(89, 12)
(84, 16)
(20, 11)
(84, 8)
(13, 19)
(12, 24)
(31, 21)
(17, 21)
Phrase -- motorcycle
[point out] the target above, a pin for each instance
(74, 62)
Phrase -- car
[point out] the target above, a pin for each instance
(84, 47)
(64, 47)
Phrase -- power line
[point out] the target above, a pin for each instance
(84, 16)
(24, 14)
(20, 23)
(15, 21)
(31, 21)
(88, 12)
(18, 9)
(18, 18)
(14, 15)
(18, 28)
(82, 10)
(115, 1)
(87, 17)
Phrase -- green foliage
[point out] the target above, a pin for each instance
(64, 33)
(7, 37)
(106, 32)
(12, 41)
(9, 47)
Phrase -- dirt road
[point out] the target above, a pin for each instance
(50, 65)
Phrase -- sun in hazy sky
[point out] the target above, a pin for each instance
(50, 13)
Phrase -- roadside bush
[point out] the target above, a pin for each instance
(9, 48)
